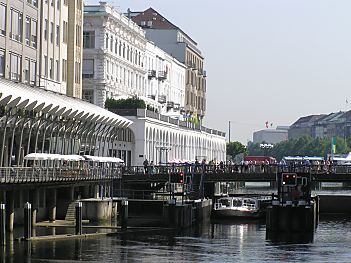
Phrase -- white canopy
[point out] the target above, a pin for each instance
(72, 158)
(37, 156)
(113, 160)
(102, 159)
(48, 156)
(56, 104)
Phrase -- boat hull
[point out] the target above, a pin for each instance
(229, 213)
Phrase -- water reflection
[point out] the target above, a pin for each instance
(218, 241)
(289, 238)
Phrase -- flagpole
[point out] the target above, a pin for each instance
(229, 133)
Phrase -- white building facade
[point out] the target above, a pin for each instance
(114, 51)
(272, 136)
(120, 62)
(165, 80)
(159, 138)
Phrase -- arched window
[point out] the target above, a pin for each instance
(111, 44)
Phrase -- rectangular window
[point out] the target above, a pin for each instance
(78, 36)
(33, 72)
(58, 4)
(15, 67)
(57, 35)
(77, 73)
(28, 28)
(52, 32)
(2, 63)
(65, 31)
(79, 4)
(46, 25)
(26, 70)
(34, 33)
(16, 25)
(51, 68)
(89, 39)
(111, 44)
(57, 70)
(46, 66)
(88, 68)
(2, 20)
(64, 70)
(88, 95)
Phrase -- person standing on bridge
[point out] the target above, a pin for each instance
(146, 163)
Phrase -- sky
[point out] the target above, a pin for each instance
(266, 60)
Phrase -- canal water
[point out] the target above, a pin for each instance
(220, 241)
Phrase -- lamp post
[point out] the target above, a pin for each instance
(229, 133)
(265, 147)
(166, 150)
(163, 149)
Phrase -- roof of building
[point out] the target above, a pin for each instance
(308, 119)
(33, 98)
(158, 21)
(320, 119)
(271, 131)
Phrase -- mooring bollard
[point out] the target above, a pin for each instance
(2, 224)
(124, 214)
(78, 218)
(27, 220)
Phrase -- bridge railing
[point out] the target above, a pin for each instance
(235, 169)
(38, 174)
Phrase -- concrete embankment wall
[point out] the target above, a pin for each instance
(177, 215)
(334, 204)
(186, 214)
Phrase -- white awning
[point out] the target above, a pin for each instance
(102, 159)
(48, 156)
(36, 156)
(56, 104)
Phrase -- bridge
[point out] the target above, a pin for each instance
(213, 173)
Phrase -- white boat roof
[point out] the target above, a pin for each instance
(38, 99)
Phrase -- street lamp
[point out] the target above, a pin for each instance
(265, 147)
(163, 149)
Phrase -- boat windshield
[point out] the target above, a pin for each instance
(237, 202)
(224, 202)
(249, 202)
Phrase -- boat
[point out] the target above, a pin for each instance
(249, 207)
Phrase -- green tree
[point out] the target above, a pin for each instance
(235, 148)
(129, 103)
(303, 146)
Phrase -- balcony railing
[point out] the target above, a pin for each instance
(162, 98)
(170, 104)
(162, 75)
(152, 74)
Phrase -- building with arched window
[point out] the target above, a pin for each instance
(159, 138)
